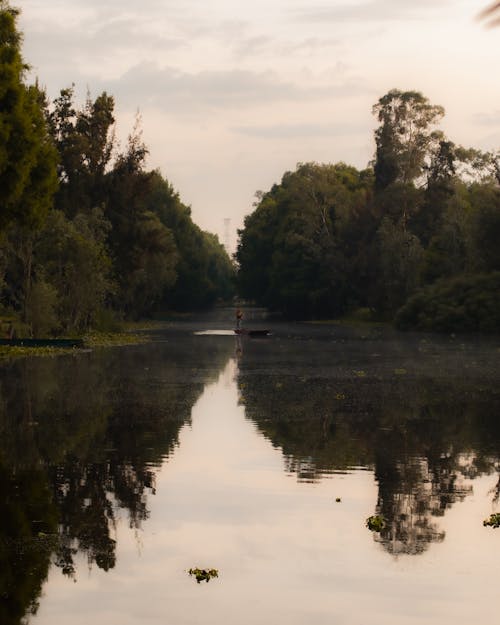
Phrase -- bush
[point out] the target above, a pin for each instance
(467, 303)
(41, 309)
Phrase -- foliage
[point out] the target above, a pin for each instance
(205, 274)
(469, 303)
(295, 252)
(329, 239)
(88, 233)
(203, 575)
(493, 520)
(84, 140)
(115, 240)
(27, 158)
(405, 137)
(375, 523)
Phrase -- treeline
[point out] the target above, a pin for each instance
(413, 238)
(87, 233)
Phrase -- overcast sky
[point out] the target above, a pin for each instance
(232, 94)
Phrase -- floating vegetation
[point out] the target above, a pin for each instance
(493, 520)
(375, 523)
(203, 575)
(8, 352)
(114, 339)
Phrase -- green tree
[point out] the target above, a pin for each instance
(142, 247)
(405, 138)
(485, 227)
(72, 259)
(256, 246)
(84, 139)
(204, 270)
(399, 260)
(27, 157)
(297, 250)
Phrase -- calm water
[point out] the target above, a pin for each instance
(120, 469)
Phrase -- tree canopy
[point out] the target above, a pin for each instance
(86, 230)
(330, 238)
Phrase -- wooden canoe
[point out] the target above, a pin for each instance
(249, 332)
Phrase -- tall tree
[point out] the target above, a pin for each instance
(27, 157)
(405, 136)
(85, 140)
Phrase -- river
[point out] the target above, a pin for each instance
(262, 458)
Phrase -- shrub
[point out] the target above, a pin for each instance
(467, 303)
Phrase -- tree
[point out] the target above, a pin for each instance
(440, 188)
(27, 157)
(84, 139)
(72, 259)
(405, 137)
(296, 253)
(255, 248)
(399, 259)
(204, 270)
(485, 227)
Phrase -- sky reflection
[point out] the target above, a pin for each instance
(286, 551)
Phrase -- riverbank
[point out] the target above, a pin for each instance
(131, 334)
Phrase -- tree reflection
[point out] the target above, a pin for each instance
(424, 438)
(81, 441)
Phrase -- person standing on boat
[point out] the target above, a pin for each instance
(239, 317)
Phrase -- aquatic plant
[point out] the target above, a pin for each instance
(203, 574)
(493, 520)
(375, 523)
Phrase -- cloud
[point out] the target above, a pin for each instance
(298, 131)
(488, 119)
(371, 11)
(174, 90)
(259, 45)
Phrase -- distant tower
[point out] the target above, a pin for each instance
(227, 236)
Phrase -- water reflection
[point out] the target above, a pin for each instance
(80, 439)
(424, 417)
(82, 442)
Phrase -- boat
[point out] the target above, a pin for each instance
(250, 332)
(27, 342)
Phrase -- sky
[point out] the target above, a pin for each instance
(233, 94)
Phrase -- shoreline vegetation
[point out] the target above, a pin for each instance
(90, 236)
(132, 333)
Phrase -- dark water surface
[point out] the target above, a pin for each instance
(120, 469)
